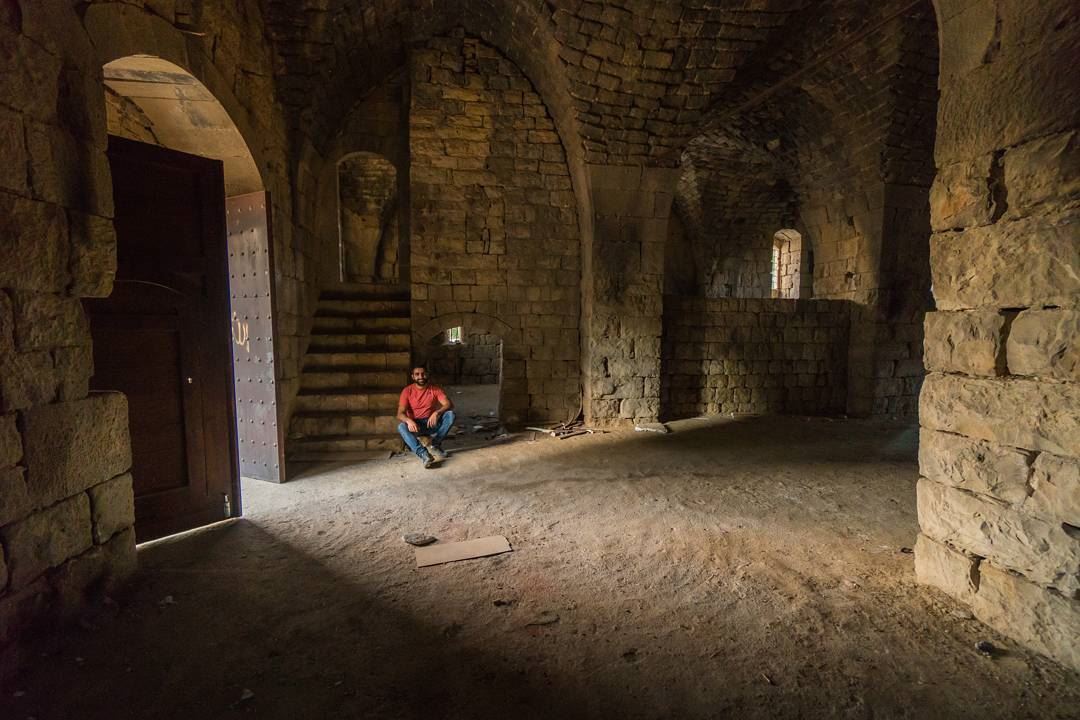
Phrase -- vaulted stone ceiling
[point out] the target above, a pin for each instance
(637, 80)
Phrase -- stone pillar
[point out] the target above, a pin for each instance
(999, 497)
(623, 290)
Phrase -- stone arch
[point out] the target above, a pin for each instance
(119, 32)
(513, 401)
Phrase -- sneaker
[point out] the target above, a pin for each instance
(429, 462)
(437, 452)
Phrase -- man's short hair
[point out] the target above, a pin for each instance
(420, 365)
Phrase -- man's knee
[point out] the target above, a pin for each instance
(403, 429)
(449, 417)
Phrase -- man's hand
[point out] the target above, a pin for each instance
(433, 421)
(411, 424)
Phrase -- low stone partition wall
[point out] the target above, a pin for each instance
(754, 356)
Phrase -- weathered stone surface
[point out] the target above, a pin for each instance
(967, 342)
(960, 196)
(33, 245)
(1043, 171)
(1041, 619)
(1025, 263)
(74, 366)
(93, 255)
(975, 465)
(1046, 343)
(26, 380)
(75, 445)
(10, 442)
(1018, 412)
(99, 571)
(1055, 489)
(945, 568)
(21, 610)
(7, 325)
(15, 502)
(46, 539)
(1043, 552)
(112, 505)
(13, 171)
(45, 321)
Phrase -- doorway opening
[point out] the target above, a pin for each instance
(468, 365)
(187, 333)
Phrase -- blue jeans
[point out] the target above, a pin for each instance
(437, 435)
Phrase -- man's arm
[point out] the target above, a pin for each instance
(402, 416)
(444, 404)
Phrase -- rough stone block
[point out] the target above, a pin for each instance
(966, 342)
(74, 366)
(46, 539)
(1055, 489)
(33, 245)
(1025, 263)
(947, 569)
(26, 380)
(10, 442)
(7, 325)
(981, 467)
(47, 321)
(22, 609)
(1043, 171)
(112, 506)
(1018, 412)
(1045, 343)
(75, 445)
(1043, 552)
(15, 500)
(93, 256)
(1041, 619)
(960, 196)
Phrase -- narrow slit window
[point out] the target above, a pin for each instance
(453, 335)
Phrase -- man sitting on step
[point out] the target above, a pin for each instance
(424, 409)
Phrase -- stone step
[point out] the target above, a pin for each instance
(357, 362)
(362, 308)
(345, 443)
(351, 399)
(312, 380)
(343, 423)
(366, 291)
(359, 342)
(360, 324)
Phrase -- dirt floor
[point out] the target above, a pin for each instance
(748, 568)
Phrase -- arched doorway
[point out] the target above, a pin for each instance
(467, 363)
(187, 334)
(368, 210)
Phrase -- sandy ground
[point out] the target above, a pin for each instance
(749, 568)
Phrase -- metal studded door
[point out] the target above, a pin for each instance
(251, 276)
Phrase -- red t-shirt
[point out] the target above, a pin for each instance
(421, 402)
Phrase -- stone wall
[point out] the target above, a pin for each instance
(754, 356)
(999, 497)
(494, 225)
(476, 360)
(65, 496)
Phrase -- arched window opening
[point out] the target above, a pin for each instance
(368, 218)
(789, 259)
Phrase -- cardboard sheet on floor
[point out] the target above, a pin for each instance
(465, 550)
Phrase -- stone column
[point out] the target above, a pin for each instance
(999, 497)
(623, 292)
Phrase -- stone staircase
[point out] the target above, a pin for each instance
(354, 370)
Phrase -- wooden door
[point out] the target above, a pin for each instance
(251, 277)
(162, 337)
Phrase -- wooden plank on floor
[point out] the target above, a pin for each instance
(465, 550)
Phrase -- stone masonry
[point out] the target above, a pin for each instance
(493, 218)
(999, 498)
(754, 356)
